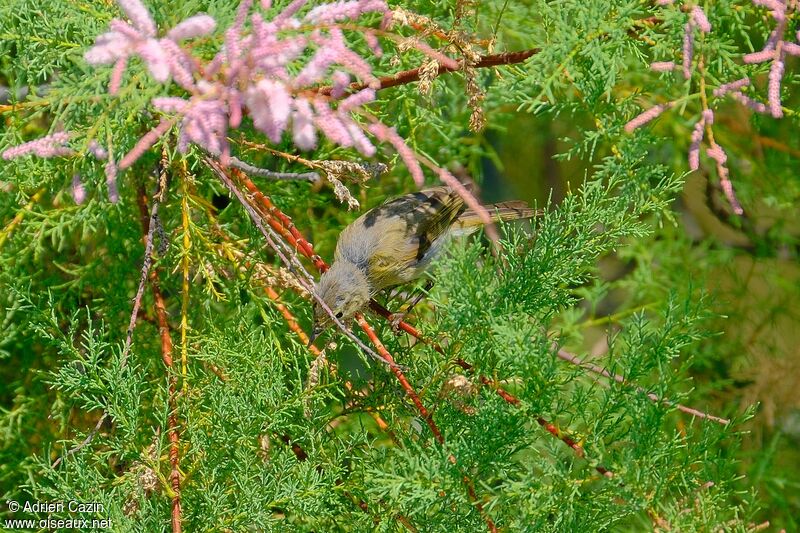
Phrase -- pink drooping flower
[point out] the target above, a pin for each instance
(716, 153)
(694, 146)
(78, 190)
(386, 134)
(343, 10)
(53, 145)
(163, 57)
(748, 102)
(688, 49)
(699, 18)
(643, 118)
(774, 85)
(304, 134)
(270, 106)
(731, 86)
(662, 66)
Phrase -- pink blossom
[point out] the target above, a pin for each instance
(195, 26)
(443, 60)
(317, 67)
(358, 99)
(662, 66)
(341, 82)
(716, 153)
(694, 147)
(97, 150)
(341, 10)
(360, 141)
(53, 145)
(288, 12)
(372, 42)
(330, 124)
(664, 2)
(78, 190)
(792, 49)
(699, 17)
(139, 16)
(759, 57)
(731, 86)
(141, 146)
(774, 86)
(303, 132)
(270, 106)
(643, 118)
(155, 58)
(115, 80)
(756, 106)
(387, 134)
(111, 181)
(688, 50)
(234, 108)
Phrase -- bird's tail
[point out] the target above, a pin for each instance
(503, 211)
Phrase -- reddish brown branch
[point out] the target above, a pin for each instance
(166, 355)
(412, 75)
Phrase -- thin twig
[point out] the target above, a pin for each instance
(412, 75)
(575, 360)
(270, 174)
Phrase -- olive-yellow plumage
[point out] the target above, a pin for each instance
(395, 243)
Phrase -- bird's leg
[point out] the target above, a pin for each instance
(396, 318)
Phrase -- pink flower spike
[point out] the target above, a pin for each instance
(78, 190)
(195, 26)
(48, 146)
(234, 108)
(170, 104)
(360, 141)
(329, 124)
(358, 99)
(443, 60)
(774, 86)
(694, 147)
(139, 16)
(303, 132)
(469, 199)
(116, 76)
(111, 182)
(387, 134)
(708, 116)
(288, 12)
(108, 48)
(643, 118)
(341, 82)
(664, 2)
(270, 106)
(746, 101)
(718, 154)
(759, 57)
(97, 150)
(142, 145)
(372, 42)
(793, 49)
(662, 66)
(688, 49)
(155, 58)
(731, 86)
(266, 4)
(699, 17)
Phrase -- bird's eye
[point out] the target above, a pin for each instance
(340, 314)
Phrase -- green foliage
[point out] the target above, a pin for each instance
(630, 267)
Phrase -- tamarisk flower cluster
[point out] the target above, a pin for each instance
(258, 73)
(775, 49)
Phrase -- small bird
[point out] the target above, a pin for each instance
(395, 243)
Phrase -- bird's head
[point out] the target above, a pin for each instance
(345, 290)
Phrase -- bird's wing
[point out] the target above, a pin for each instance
(408, 226)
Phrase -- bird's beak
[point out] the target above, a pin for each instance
(314, 334)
